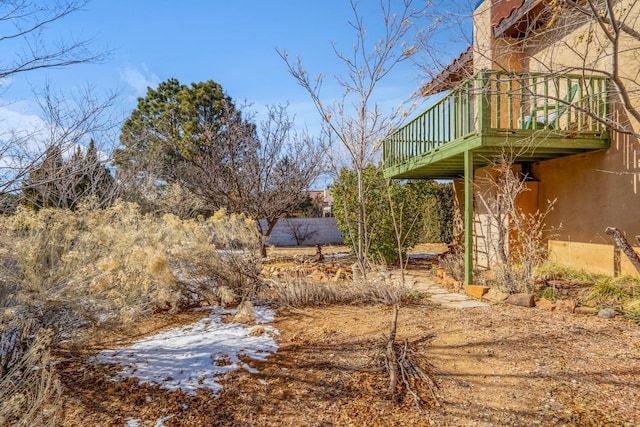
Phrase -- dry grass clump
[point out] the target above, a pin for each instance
(117, 264)
(622, 292)
(29, 389)
(381, 290)
(306, 292)
(61, 270)
(453, 264)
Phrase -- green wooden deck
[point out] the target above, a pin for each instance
(538, 116)
(531, 117)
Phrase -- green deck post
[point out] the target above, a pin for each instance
(468, 217)
(483, 98)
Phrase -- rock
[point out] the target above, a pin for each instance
(545, 304)
(317, 276)
(244, 313)
(566, 305)
(522, 300)
(585, 310)
(476, 291)
(607, 313)
(452, 284)
(495, 295)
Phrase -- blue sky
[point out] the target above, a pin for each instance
(230, 42)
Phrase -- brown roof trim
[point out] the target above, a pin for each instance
(516, 18)
(458, 70)
(501, 9)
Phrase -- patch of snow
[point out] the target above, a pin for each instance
(131, 422)
(185, 358)
(338, 255)
(160, 422)
(229, 252)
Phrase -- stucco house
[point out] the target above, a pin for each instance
(537, 82)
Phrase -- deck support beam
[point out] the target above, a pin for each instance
(468, 217)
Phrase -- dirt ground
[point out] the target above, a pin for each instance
(494, 366)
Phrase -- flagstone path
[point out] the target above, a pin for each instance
(423, 282)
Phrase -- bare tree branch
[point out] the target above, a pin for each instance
(355, 120)
(28, 22)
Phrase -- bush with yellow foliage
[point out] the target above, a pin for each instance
(117, 264)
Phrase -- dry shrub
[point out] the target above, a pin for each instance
(304, 292)
(453, 265)
(29, 389)
(380, 290)
(118, 264)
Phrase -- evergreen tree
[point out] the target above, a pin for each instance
(64, 184)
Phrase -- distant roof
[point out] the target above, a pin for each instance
(452, 74)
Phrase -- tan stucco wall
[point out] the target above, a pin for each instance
(600, 189)
(592, 257)
(490, 53)
(594, 190)
(485, 227)
(626, 268)
(591, 194)
(482, 37)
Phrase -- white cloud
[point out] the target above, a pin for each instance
(24, 137)
(139, 79)
(5, 82)
(17, 122)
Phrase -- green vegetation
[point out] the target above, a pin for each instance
(439, 211)
(171, 124)
(196, 136)
(383, 201)
(63, 183)
(423, 211)
(622, 293)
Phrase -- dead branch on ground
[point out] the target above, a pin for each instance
(409, 371)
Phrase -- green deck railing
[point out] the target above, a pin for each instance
(492, 101)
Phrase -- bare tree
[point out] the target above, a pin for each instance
(29, 46)
(354, 124)
(300, 229)
(30, 389)
(60, 163)
(590, 38)
(264, 173)
(608, 41)
(27, 22)
(520, 243)
(64, 183)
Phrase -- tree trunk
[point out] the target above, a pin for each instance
(391, 354)
(624, 246)
(265, 235)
